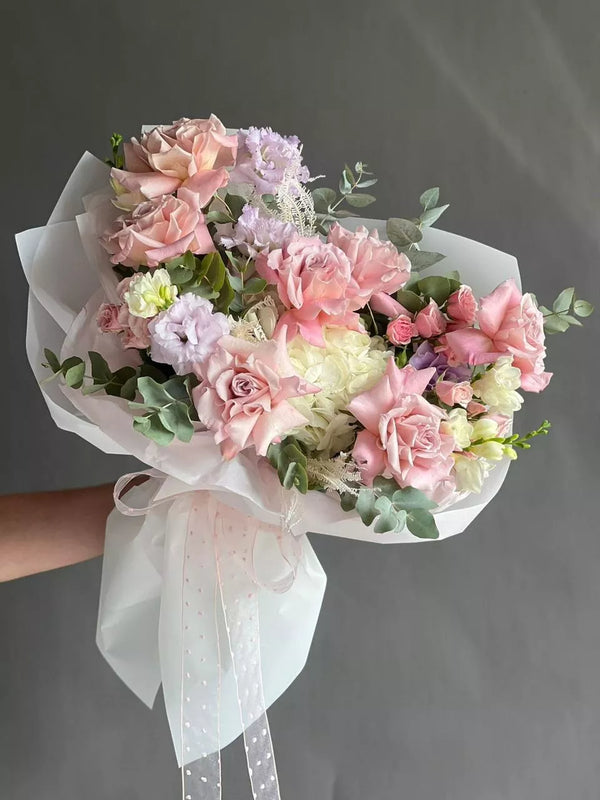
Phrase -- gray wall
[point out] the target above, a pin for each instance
(465, 670)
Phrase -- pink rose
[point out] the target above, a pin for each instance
(376, 266)
(313, 280)
(402, 437)
(401, 330)
(462, 305)
(509, 323)
(244, 394)
(108, 318)
(191, 153)
(159, 230)
(134, 330)
(474, 408)
(453, 394)
(430, 321)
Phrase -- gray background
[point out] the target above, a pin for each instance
(465, 670)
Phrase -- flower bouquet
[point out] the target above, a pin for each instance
(281, 366)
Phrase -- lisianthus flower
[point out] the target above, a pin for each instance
(425, 356)
(191, 153)
(266, 160)
(403, 438)
(256, 232)
(509, 324)
(245, 392)
(186, 334)
(159, 230)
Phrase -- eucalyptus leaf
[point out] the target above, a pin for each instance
(403, 232)
(555, 324)
(73, 370)
(581, 307)
(422, 524)
(152, 427)
(564, 300)
(323, 198)
(421, 259)
(52, 360)
(254, 286)
(432, 215)
(410, 300)
(360, 200)
(429, 198)
(436, 287)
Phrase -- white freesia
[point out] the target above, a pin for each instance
(150, 292)
(497, 387)
(470, 472)
(458, 425)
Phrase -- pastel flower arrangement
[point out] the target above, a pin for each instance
(256, 309)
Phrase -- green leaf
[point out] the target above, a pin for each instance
(101, 372)
(323, 198)
(226, 297)
(365, 505)
(348, 501)
(429, 198)
(360, 200)
(581, 307)
(152, 427)
(436, 287)
(410, 300)
(236, 204)
(390, 518)
(410, 499)
(563, 301)
(217, 216)
(53, 362)
(129, 388)
(421, 259)
(254, 286)
(295, 476)
(73, 370)
(367, 183)
(403, 232)
(555, 324)
(422, 524)
(432, 215)
(176, 418)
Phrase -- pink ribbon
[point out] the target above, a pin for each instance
(219, 558)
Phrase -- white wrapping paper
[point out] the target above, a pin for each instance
(139, 625)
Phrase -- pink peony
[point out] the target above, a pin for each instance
(376, 266)
(401, 330)
(430, 322)
(108, 318)
(453, 394)
(402, 437)
(462, 305)
(191, 153)
(244, 394)
(509, 323)
(159, 230)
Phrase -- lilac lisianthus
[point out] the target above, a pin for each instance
(425, 356)
(186, 334)
(266, 159)
(256, 232)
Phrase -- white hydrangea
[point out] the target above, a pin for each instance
(150, 292)
(497, 387)
(350, 363)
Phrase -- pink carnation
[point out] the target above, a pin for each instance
(509, 323)
(430, 322)
(244, 394)
(159, 230)
(377, 267)
(114, 318)
(402, 437)
(191, 153)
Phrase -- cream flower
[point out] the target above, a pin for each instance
(497, 387)
(458, 425)
(150, 292)
(470, 472)
(350, 363)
